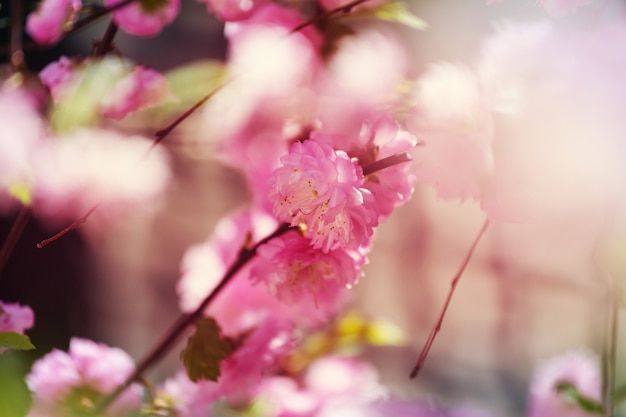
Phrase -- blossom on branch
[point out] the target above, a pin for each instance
(52, 18)
(68, 384)
(298, 274)
(144, 17)
(321, 191)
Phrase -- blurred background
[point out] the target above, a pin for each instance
(529, 293)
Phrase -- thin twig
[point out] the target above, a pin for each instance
(68, 229)
(387, 162)
(104, 45)
(17, 54)
(96, 15)
(453, 285)
(161, 134)
(14, 235)
(341, 9)
(185, 320)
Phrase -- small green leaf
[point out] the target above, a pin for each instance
(13, 340)
(398, 12)
(571, 393)
(205, 350)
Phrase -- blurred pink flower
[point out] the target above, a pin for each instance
(66, 383)
(320, 190)
(144, 17)
(232, 10)
(579, 368)
(98, 167)
(298, 274)
(453, 124)
(15, 318)
(22, 133)
(58, 76)
(140, 89)
(52, 18)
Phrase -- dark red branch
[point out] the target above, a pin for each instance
(453, 285)
(185, 320)
(14, 235)
(341, 9)
(387, 162)
(68, 229)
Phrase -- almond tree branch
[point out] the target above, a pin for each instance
(185, 320)
(433, 333)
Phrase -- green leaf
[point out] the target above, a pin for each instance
(571, 393)
(13, 340)
(398, 12)
(205, 350)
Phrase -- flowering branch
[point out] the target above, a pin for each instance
(103, 46)
(185, 320)
(453, 285)
(97, 14)
(69, 228)
(386, 163)
(341, 9)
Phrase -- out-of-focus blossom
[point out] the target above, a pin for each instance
(368, 68)
(15, 318)
(320, 190)
(140, 89)
(334, 4)
(242, 372)
(52, 18)
(333, 386)
(556, 107)
(232, 10)
(298, 274)
(453, 126)
(557, 8)
(66, 384)
(578, 368)
(144, 17)
(22, 133)
(98, 167)
(58, 76)
(187, 398)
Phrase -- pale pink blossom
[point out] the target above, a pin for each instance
(320, 190)
(333, 386)
(73, 382)
(452, 122)
(60, 77)
(15, 318)
(188, 398)
(98, 167)
(368, 68)
(144, 17)
(242, 371)
(298, 274)
(140, 89)
(557, 107)
(52, 18)
(22, 133)
(232, 10)
(557, 8)
(579, 368)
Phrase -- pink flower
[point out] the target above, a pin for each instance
(579, 368)
(453, 123)
(15, 318)
(188, 398)
(22, 133)
(66, 383)
(241, 373)
(140, 89)
(298, 274)
(52, 18)
(320, 190)
(59, 76)
(144, 17)
(98, 167)
(232, 10)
